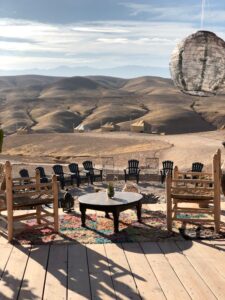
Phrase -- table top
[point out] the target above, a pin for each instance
(101, 198)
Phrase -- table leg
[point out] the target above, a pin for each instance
(107, 215)
(83, 216)
(116, 220)
(139, 205)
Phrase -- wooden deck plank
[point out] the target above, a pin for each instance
(78, 277)
(181, 269)
(144, 277)
(34, 277)
(13, 273)
(5, 251)
(215, 257)
(169, 282)
(56, 278)
(122, 277)
(204, 265)
(100, 277)
(196, 287)
(3, 240)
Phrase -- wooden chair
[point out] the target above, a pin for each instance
(76, 174)
(167, 169)
(182, 193)
(15, 195)
(197, 167)
(25, 175)
(43, 177)
(132, 171)
(61, 176)
(92, 172)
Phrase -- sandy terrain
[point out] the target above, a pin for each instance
(47, 149)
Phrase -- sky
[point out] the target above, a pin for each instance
(99, 37)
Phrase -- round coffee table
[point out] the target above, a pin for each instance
(120, 202)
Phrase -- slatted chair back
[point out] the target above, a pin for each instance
(58, 170)
(74, 168)
(133, 166)
(41, 171)
(167, 167)
(197, 167)
(24, 173)
(202, 188)
(43, 176)
(23, 196)
(88, 165)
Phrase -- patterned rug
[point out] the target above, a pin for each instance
(99, 230)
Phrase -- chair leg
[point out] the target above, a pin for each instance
(78, 182)
(56, 214)
(10, 227)
(168, 204)
(169, 214)
(38, 212)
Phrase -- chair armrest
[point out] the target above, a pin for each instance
(97, 169)
(86, 171)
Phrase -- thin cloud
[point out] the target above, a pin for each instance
(30, 44)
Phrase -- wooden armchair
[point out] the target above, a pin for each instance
(43, 177)
(197, 167)
(197, 195)
(15, 195)
(132, 171)
(77, 175)
(166, 170)
(61, 176)
(92, 172)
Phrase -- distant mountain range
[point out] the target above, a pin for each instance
(58, 104)
(123, 71)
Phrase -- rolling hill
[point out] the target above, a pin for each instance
(56, 104)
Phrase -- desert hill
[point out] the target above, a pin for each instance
(55, 104)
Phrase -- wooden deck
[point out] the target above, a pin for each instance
(164, 270)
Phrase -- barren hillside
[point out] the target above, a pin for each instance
(53, 104)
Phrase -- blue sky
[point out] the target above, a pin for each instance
(99, 34)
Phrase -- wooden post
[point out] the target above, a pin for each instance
(216, 179)
(175, 176)
(175, 172)
(38, 208)
(55, 203)
(169, 202)
(9, 199)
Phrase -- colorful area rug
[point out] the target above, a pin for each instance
(100, 230)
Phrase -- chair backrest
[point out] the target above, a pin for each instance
(74, 168)
(133, 165)
(197, 167)
(58, 169)
(167, 167)
(24, 173)
(41, 171)
(88, 165)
